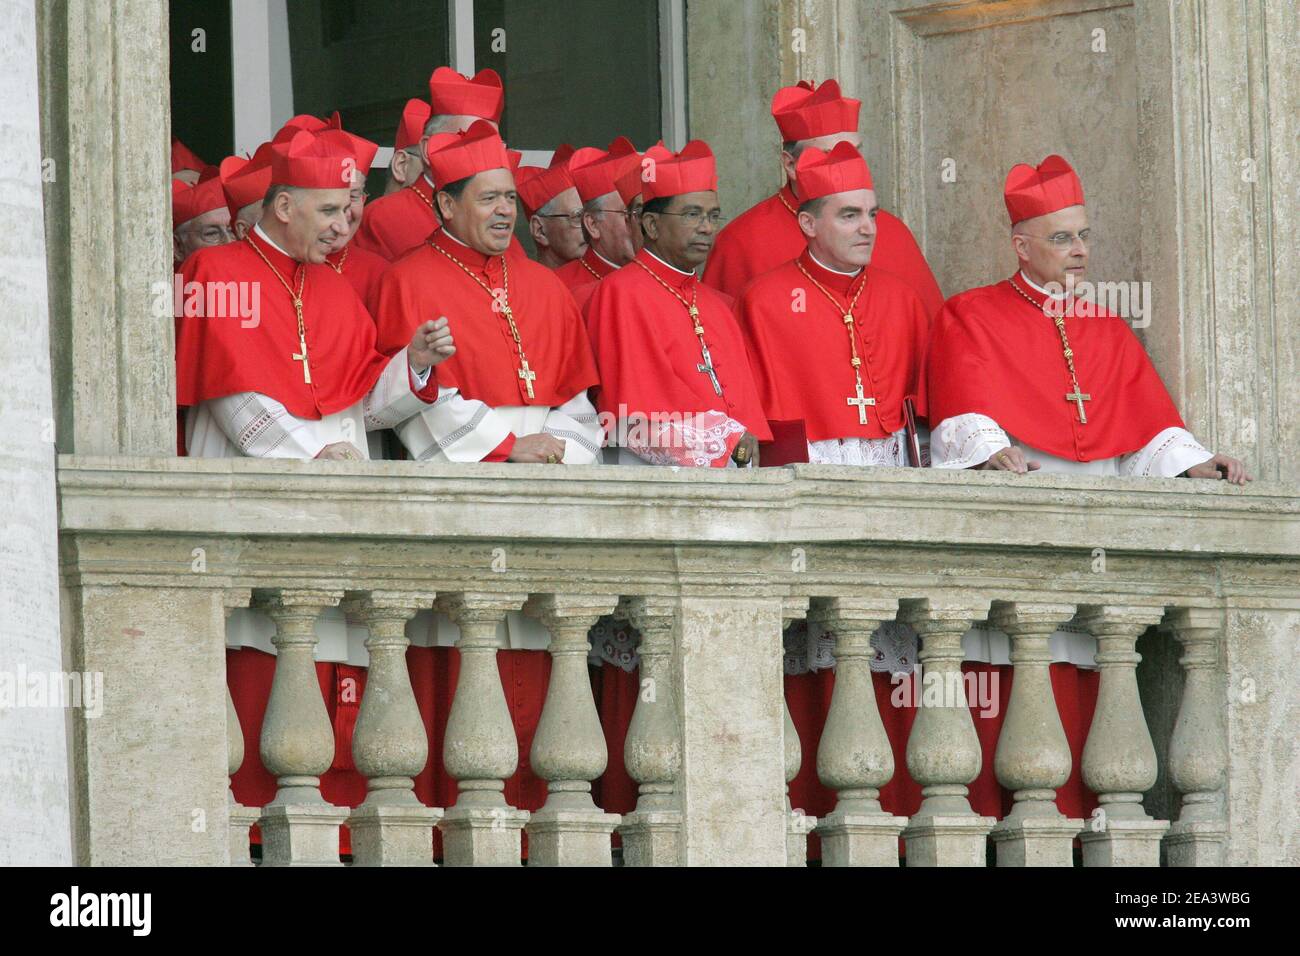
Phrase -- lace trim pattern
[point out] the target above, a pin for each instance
(684, 444)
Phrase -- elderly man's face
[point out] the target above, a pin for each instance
(561, 222)
(210, 229)
(611, 233)
(1054, 248)
(315, 222)
(356, 206)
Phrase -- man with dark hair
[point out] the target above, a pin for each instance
(768, 235)
(519, 389)
(674, 373)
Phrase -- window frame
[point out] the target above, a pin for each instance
(262, 76)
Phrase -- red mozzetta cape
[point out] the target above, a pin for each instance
(647, 351)
(585, 270)
(425, 284)
(769, 234)
(218, 356)
(994, 352)
(362, 268)
(395, 224)
(802, 360)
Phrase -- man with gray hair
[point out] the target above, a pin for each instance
(396, 223)
(407, 162)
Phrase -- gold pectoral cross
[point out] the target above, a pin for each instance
(527, 375)
(302, 357)
(1079, 398)
(862, 403)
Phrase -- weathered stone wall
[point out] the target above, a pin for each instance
(34, 813)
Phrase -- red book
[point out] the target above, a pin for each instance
(789, 444)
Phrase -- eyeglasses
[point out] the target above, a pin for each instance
(572, 218)
(694, 217)
(1063, 240)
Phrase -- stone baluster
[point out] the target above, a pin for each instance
(943, 752)
(652, 751)
(798, 823)
(1119, 759)
(569, 749)
(854, 757)
(480, 749)
(1033, 754)
(241, 817)
(390, 745)
(1198, 752)
(299, 828)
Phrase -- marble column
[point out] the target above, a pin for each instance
(652, 750)
(299, 827)
(854, 757)
(798, 824)
(943, 752)
(1119, 759)
(480, 750)
(1033, 754)
(1198, 752)
(389, 745)
(569, 749)
(241, 817)
(36, 821)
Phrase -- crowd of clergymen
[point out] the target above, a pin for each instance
(816, 331)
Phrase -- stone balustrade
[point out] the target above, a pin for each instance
(708, 567)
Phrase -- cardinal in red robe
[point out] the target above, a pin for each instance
(275, 354)
(675, 376)
(609, 184)
(200, 217)
(399, 222)
(407, 162)
(552, 209)
(244, 181)
(1030, 373)
(768, 234)
(834, 343)
(517, 390)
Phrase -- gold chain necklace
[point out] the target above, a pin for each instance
(587, 266)
(301, 356)
(501, 305)
(706, 366)
(342, 259)
(860, 400)
(789, 208)
(1076, 396)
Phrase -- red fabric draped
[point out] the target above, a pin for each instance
(809, 699)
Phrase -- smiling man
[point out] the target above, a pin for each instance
(834, 343)
(673, 369)
(300, 377)
(518, 389)
(1017, 381)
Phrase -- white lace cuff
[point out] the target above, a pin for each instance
(965, 441)
(1167, 455)
(889, 452)
(261, 427)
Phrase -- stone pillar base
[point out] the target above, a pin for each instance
(948, 841)
(393, 835)
(1196, 844)
(652, 838)
(482, 836)
(797, 827)
(301, 834)
(1124, 843)
(241, 818)
(1036, 841)
(860, 839)
(571, 837)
